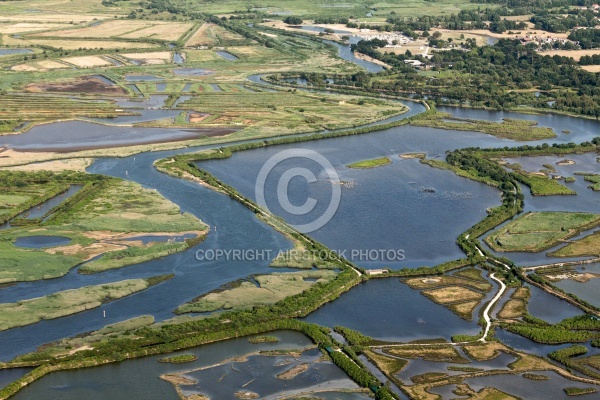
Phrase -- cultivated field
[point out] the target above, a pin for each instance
(126, 29)
(27, 27)
(213, 35)
(358, 8)
(575, 54)
(42, 65)
(157, 57)
(87, 61)
(75, 44)
(591, 68)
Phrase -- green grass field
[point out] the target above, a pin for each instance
(587, 246)
(366, 164)
(535, 232)
(544, 186)
(65, 303)
(124, 206)
(322, 8)
(514, 129)
(595, 181)
(267, 289)
(15, 200)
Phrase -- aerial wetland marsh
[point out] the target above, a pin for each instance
(462, 260)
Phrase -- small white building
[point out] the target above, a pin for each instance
(414, 63)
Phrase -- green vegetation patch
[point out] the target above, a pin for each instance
(432, 282)
(259, 290)
(184, 358)
(428, 377)
(595, 180)
(536, 377)
(374, 163)
(428, 353)
(123, 206)
(551, 334)
(20, 191)
(575, 391)
(65, 303)
(100, 219)
(263, 339)
(513, 129)
(570, 357)
(131, 256)
(537, 231)
(388, 365)
(28, 264)
(300, 257)
(355, 338)
(471, 273)
(543, 186)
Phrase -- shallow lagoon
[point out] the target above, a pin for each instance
(39, 242)
(587, 291)
(387, 309)
(528, 388)
(404, 206)
(138, 379)
(258, 374)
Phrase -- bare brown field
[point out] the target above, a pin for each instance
(484, 351)
(20, 27)
(200, 36)
(164, 31)
(52, 17)
(506, 35)
(159, 57)
(452, 294)
(576, 54)
(79, 85)
(87, 61)
(75, 44)
(209, 35)
(39, 66)
(465, 310)
(512, 309)
(591, 68)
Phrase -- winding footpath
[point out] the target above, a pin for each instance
(486, 312)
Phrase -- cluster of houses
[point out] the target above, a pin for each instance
(394, 39)
(540, 40)
(595, 8)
